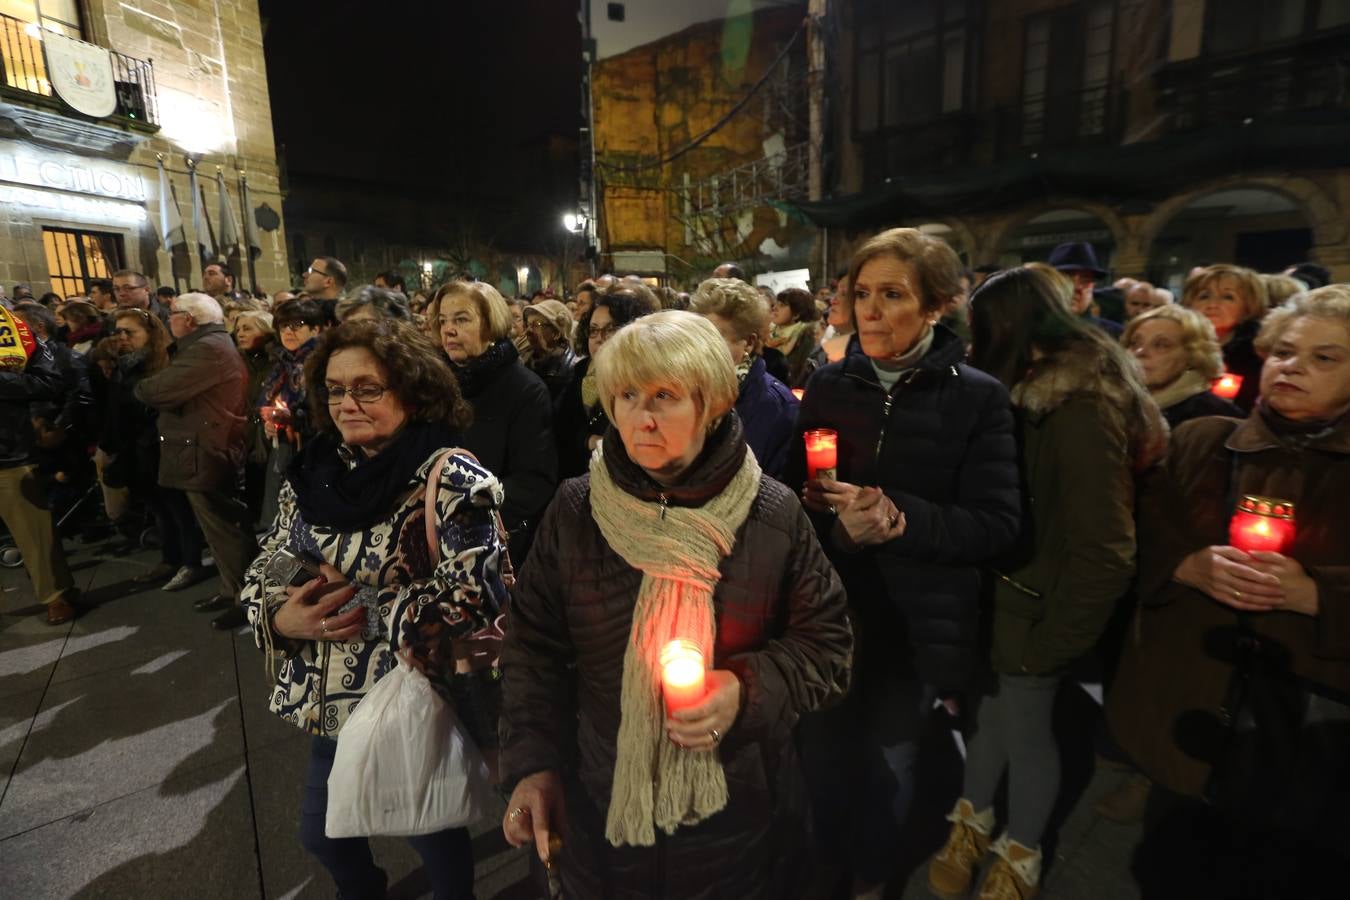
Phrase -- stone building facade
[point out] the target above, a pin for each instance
(1169, 133)
(80, 193)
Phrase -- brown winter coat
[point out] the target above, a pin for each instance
(781, 626)
(1171, 664)
(200, 398)
(1081, 447)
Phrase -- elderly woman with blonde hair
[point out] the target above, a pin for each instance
(1233, 694)
(674, 535)
(768, 410)
(1178, 355)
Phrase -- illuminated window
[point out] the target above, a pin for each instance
(21, 26)
(61, 16)
(76, 257)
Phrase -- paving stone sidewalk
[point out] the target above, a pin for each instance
(138, 759)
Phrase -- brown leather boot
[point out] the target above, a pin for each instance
(953, 868)
(60, 611)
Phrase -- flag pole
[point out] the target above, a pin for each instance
(249, 226)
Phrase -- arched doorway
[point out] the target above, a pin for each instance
(1256, 227)
(1034, 239)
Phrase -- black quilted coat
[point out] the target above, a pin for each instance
(941, 446)
(781, 626)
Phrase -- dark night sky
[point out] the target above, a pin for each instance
(439, 96)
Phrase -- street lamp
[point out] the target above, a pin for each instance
(522, 278)
(571, 222)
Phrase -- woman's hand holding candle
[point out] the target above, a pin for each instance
(1232, 577)
(693, 727)
(1300, 591)
(866, 515)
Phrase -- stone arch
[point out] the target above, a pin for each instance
(1002, 229)
(1321, 211)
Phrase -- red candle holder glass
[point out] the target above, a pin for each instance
(822, 453)
(1262, 523)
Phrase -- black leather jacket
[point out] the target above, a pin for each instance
(38, 382)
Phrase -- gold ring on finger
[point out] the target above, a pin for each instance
(516, 813)
(323, 625)
(1237, 595)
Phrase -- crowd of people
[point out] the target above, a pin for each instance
(1034, 472)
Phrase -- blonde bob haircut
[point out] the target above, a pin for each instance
(492, 307)
(1331, 303)
(1198, 338)
(260, 318)
(934, 261)
(1250, 286)
(672, 348)
(1280, 288)
(737, 302)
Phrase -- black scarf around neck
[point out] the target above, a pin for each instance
(478, 372)
(1296, 434)
(332, 494)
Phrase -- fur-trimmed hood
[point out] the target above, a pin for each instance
(1084, 369)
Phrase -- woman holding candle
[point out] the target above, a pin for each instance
(925, 490)
(1178, 355)
(674, 559)
(1216, 614)
(768, 410)
(1234, 300)
(1086, 427)
(282, 398)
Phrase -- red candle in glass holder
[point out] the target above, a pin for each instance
(822, 453)
(1262, 523)
(682, 675)
(799, 393)
(1227, 386)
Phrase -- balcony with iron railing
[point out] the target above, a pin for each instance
(23, 76)
(1308, 79)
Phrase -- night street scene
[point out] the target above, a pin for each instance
(699, 450)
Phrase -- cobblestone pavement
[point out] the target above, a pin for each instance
(138, 759)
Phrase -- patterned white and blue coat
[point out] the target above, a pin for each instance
(410, 605)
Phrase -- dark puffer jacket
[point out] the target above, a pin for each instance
(781, 626)
(941, 446)
(511, 436)
(768, 410)
(130, 430)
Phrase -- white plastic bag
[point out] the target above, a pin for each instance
(404, 764)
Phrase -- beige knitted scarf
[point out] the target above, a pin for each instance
(677, 550)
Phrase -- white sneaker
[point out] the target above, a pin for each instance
(187, 575)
